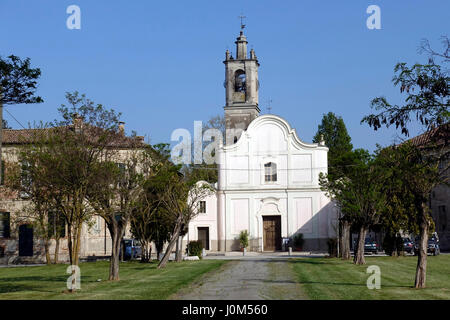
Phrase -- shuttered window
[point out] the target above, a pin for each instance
(4, 225)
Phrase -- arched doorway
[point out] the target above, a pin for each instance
(26, 240)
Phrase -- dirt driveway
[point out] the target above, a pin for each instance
(246, 280)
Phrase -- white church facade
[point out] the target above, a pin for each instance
(268, 178)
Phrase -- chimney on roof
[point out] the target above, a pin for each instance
(122, 127)
(77, 121)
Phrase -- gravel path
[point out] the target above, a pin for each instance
(246, 280)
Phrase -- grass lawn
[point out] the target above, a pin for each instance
(138, 281)
(325, 278)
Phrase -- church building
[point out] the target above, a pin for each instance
(268, 181)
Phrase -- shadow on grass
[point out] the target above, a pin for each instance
(363, 285)
(35, 278)
(9, 288)
(316, 262)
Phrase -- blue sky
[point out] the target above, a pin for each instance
(160, 62)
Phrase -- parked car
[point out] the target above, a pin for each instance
(370, 245)
(132, 250)
(408, 245)
(433, 246)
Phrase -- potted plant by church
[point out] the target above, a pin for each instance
(243, 240)
(298, 242)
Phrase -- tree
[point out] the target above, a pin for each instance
(333, 131)
(117, 193)
(198, 190)
(28, 179)
(216, 122)
(18, 83)
(358, 193)
(178, 195)
(412, 175)
(205, 171)
(68, 154)
(427, 95)
(395, 216)
(172, 193)
(149, 224)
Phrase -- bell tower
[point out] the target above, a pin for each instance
(241, 86)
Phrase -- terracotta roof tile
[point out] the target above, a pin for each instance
(23, 136)
(434, 137)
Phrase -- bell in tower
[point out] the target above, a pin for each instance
(241, 86)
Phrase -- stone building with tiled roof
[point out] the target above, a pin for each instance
(19, 243)
(433, 141)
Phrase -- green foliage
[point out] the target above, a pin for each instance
(152, 222)
(194, 248)
(203, 172)
(358, 190)
(298, 241)
(409, 177)
(67, 162)
(94, 115)
(18, 81)
(427, 99)
(243, 238)
(335, 135)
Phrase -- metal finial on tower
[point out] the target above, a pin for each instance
(269, 105)
(242, 17)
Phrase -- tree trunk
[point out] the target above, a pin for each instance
(47, 251)
(78, 245)
(159, 246)
(345, 240)
(172, 242)
(1, 130)
(179, 253)
(149, 252)
(56, 256)
(74, 249)
(146, 251)
(359, 253)
(122, 251)
(70, 243)
(421, 270)
(177, 244)
(115, 254)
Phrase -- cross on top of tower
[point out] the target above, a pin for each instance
(269, 105)
(242, 17)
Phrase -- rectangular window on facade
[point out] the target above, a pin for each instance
(270, 172)
(25, 178)
(56, 225)
(202, 207)
(4, 225)
(122, 167)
